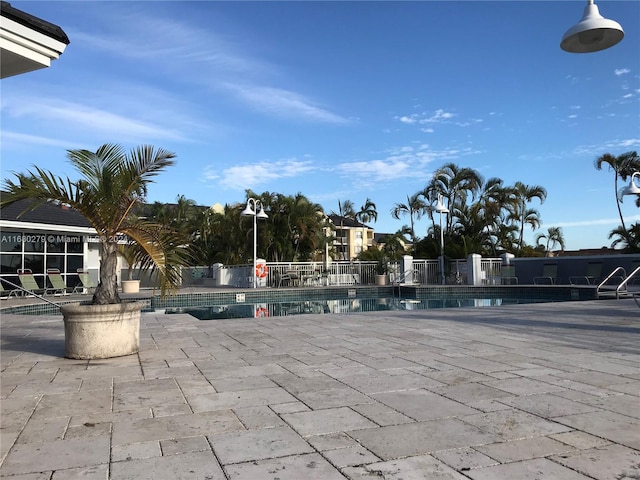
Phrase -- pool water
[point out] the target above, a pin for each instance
(350, 305)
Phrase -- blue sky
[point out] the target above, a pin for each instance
(339, 100)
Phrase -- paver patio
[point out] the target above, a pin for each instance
(539, 391)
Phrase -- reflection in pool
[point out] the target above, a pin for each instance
(344, 305)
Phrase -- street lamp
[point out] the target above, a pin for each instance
(592, 33)
(440, 208)
(252, 211)
(631, 189)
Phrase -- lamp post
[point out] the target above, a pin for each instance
(440, 208)
(251, 210)
(631, 189)
(592, 33)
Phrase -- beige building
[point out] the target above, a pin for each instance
(351, 237)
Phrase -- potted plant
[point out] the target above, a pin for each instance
(112, 184)
(129, 253)
(382, 263)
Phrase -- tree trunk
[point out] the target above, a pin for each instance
(107, 290)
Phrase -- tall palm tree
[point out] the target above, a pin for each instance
(553, 237)
(415, 207)
(366, 214)
(456, 185)
(112, 184)
(525, 194)
(623, 167)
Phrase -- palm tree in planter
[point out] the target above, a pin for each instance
(112, 184)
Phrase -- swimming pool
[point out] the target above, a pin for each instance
(358, 298)
(353, 305)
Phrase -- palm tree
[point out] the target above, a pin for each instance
(366, 214)
(527, 216)
(113, 183)
(623, 167)
(455, 184)
(415, 207)
(554, 236)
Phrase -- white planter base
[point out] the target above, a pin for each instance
(130, 286)
(382, 280)
(101, 331)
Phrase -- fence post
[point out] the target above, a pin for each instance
(474, 269)
(406, 269)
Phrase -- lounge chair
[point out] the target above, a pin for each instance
(29, 283)
(592, 275)
(8, 293)
(85, 282)
(508, 275)
(58, 286)
(549, 275)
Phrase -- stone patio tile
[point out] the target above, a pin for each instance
(258, 445)
(613, 462)
(623, 404)
(610, 425)
(597, 378)
(421, 438)
(187, 466)
(56, 455)
(333, 397)
(383, 382)
(524, 449)
(168, 410)
(537, 469)
(296, 385)
(96, 384)
(424, 467)
(350, 456)
(242, 371)
(456, 376)
(478, 365)
(319, 422)
(580, 440)
(228, 384)
(381, 414)
(308, 467)
(239, 399)
(195, 385)
(46, 388)
(548, 405)
(143, 386)
(177, 446)
(514, 424)
(96, 472)
(88, 430)
(291, 407)
(108, 417)
(523, 386)
(258, 417)
(423, 405)
(331, 441)
(96, 402)
(470, 392)
(572, 387)
(136, 451)
(151, 398)
(34, 476)
(465, 458)
(177, 426)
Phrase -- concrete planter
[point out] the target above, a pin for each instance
(101, 331)
(382, 279)
(130, 286)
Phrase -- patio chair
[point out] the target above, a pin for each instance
(85, 282)
(508, 275)
(29, 283)
(58, 285)
(290, 276)
(549, 275)
(594, 270)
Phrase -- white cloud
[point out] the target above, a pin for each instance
(621, 71)
(284, 103)
(257, 175)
